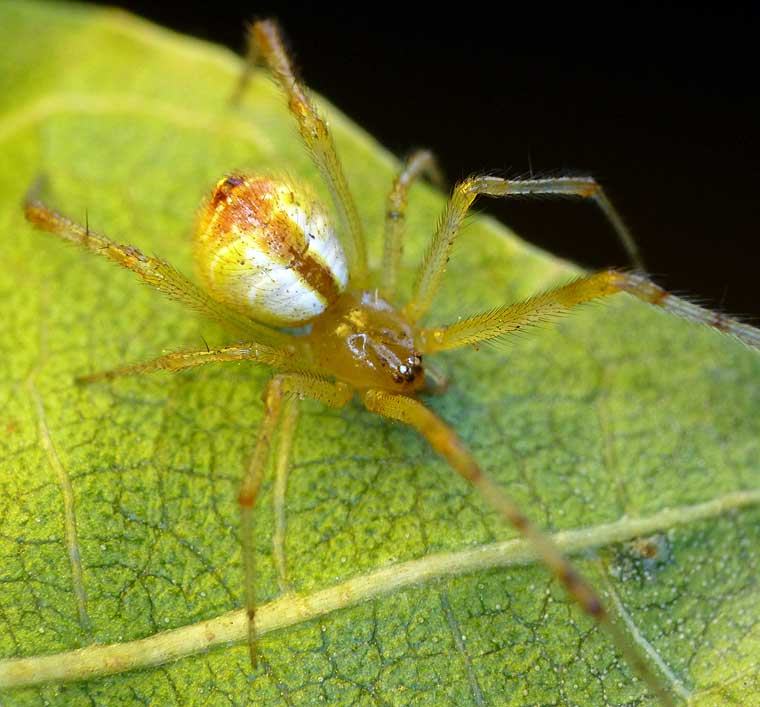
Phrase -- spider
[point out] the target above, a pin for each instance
(301, 296)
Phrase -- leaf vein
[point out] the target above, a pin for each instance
(231, 627)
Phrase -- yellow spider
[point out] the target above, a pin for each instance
(300, 294)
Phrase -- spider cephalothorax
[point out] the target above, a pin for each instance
(367, 343)
(268, 257)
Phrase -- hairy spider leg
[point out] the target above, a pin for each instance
(266, 45)
(509, 318)
(288, 424)
(157, 273)
(334, 395)
(421, 163)
(286, 358)
(445, 441)
(434, 262)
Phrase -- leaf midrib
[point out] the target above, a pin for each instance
(231, 627)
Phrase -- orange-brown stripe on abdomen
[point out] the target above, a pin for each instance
(295, 254)
(318, 277)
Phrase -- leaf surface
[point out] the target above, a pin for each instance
(617, 421)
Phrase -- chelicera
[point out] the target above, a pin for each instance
(301, 298)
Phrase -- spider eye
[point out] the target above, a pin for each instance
(408, 371)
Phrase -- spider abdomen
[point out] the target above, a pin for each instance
(265, 247)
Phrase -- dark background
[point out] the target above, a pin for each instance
(660, 104)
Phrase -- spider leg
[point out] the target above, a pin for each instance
(282, 469)
(444, 440)
(498, 322)
(419, 163)
(178, 360)
(266, 46)
(331, 394)
(434, 262)
(157, 273)
(582, 188)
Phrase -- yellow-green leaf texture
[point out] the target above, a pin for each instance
(618, 421)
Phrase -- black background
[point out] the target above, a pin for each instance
(658, 103)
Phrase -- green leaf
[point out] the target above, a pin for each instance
(638, 431)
